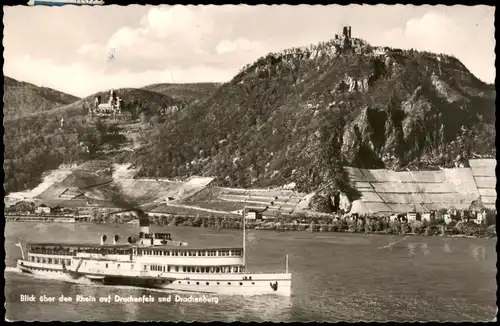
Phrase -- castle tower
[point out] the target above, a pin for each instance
(345, 32)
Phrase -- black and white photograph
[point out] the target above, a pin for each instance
(249, 163)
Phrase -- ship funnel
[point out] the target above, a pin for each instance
(143, 222)
(116, 238)
(103, 239)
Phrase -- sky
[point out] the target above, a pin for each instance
(82, 50)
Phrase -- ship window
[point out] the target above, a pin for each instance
(241, 283)
(179, 282)
(217, 269)
(189, 282)
(197, 283)
(176, 268)
(207, 283)
(218, 283)
(132, 266)
(168, 268)
(253, 283)
(197, 269)
(228, 283)
(118, 265)
(106, 265)
(49, 260)
(168, 253)
(249, 276)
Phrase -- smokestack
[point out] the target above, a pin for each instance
(143, 222)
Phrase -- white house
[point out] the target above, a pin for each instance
(42, 209)
(251, 216)
(393, 217)
(426, 217)
(480, 218)
(411, 217)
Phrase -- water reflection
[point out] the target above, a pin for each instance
(425, 249)
(41, 227)
(411, 248)
(259, 308)
(477, 252)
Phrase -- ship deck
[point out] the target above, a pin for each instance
(127, 245)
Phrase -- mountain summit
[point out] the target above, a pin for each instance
(301, 114)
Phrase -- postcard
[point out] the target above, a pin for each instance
(249, 163)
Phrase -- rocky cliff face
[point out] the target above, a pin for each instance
(299, 115)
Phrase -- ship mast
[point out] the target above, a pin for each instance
(244, 237)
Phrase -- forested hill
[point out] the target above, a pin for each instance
(40, 141)
(298, 115)
(21, 98)
(188, 92)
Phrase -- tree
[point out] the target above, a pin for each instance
(197, 221)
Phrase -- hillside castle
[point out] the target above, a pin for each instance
(111, 107)
(345, 39)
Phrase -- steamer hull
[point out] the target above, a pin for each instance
(223, 284)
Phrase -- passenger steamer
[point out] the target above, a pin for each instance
(154, 260)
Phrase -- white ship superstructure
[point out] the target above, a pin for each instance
(154, 260)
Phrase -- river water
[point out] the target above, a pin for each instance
(335, 277)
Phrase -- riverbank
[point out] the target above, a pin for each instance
(460, 229)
